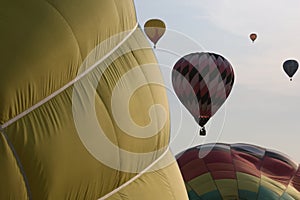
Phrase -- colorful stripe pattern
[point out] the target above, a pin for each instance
(238, 171)
(202, 82)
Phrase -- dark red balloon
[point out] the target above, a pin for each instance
(202, 82)
(253, 36)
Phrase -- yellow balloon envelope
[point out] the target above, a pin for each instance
(67, 70)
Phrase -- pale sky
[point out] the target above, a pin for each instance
(264, 106)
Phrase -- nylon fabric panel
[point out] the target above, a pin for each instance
(228, 188)
(271, 185)
(295, 182)
(248, 182)
(13, 185)
(53, 155)
(265, 193)
(247, 195)
(193, 196)
(246, 163)
(212, 195)
(278, 170)
(286, 196)
(203, 184)
(39, 56)
(190, 171)
(292, 193)
(149, 186)
(96, 20)
(139, 113)
(49, 44)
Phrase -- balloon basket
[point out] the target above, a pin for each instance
(202, 132)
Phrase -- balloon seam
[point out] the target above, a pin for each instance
(19, 164)
(57, 92)
(135, 177)
(291, 178)
(260, 173)
(235, 172)
(67, 23)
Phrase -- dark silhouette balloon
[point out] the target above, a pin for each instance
(238, 171)
(253, 36)
(202, 82)
(154, 29)
(290, 67)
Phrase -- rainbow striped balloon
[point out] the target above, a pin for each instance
(238, 171)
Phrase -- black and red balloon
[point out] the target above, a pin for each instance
(202, 81)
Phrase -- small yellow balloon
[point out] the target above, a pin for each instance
(154, 29)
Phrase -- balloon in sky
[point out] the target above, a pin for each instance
(51, 55)
(290, 67)
(154, 29)
(253, 36)
(238, 171)
(202, 82)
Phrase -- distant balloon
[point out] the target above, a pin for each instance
(253, 36)
(290, 67)
(154, 29)
(238, 171)
(202, 82)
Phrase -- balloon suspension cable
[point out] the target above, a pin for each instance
(202, 131)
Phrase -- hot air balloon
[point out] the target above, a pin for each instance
(51, 52)
(253, 36)
(202, 82)
(238, 171)
(154, 29)
(290, 67)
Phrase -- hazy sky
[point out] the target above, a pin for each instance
(264, 105)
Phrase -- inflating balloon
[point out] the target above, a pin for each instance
(253, 36)
(202, 82)
(44, 93)
(290, 67)
(154, 29)
(238, 171)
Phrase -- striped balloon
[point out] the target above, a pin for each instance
(202, 82)
(238, 171)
